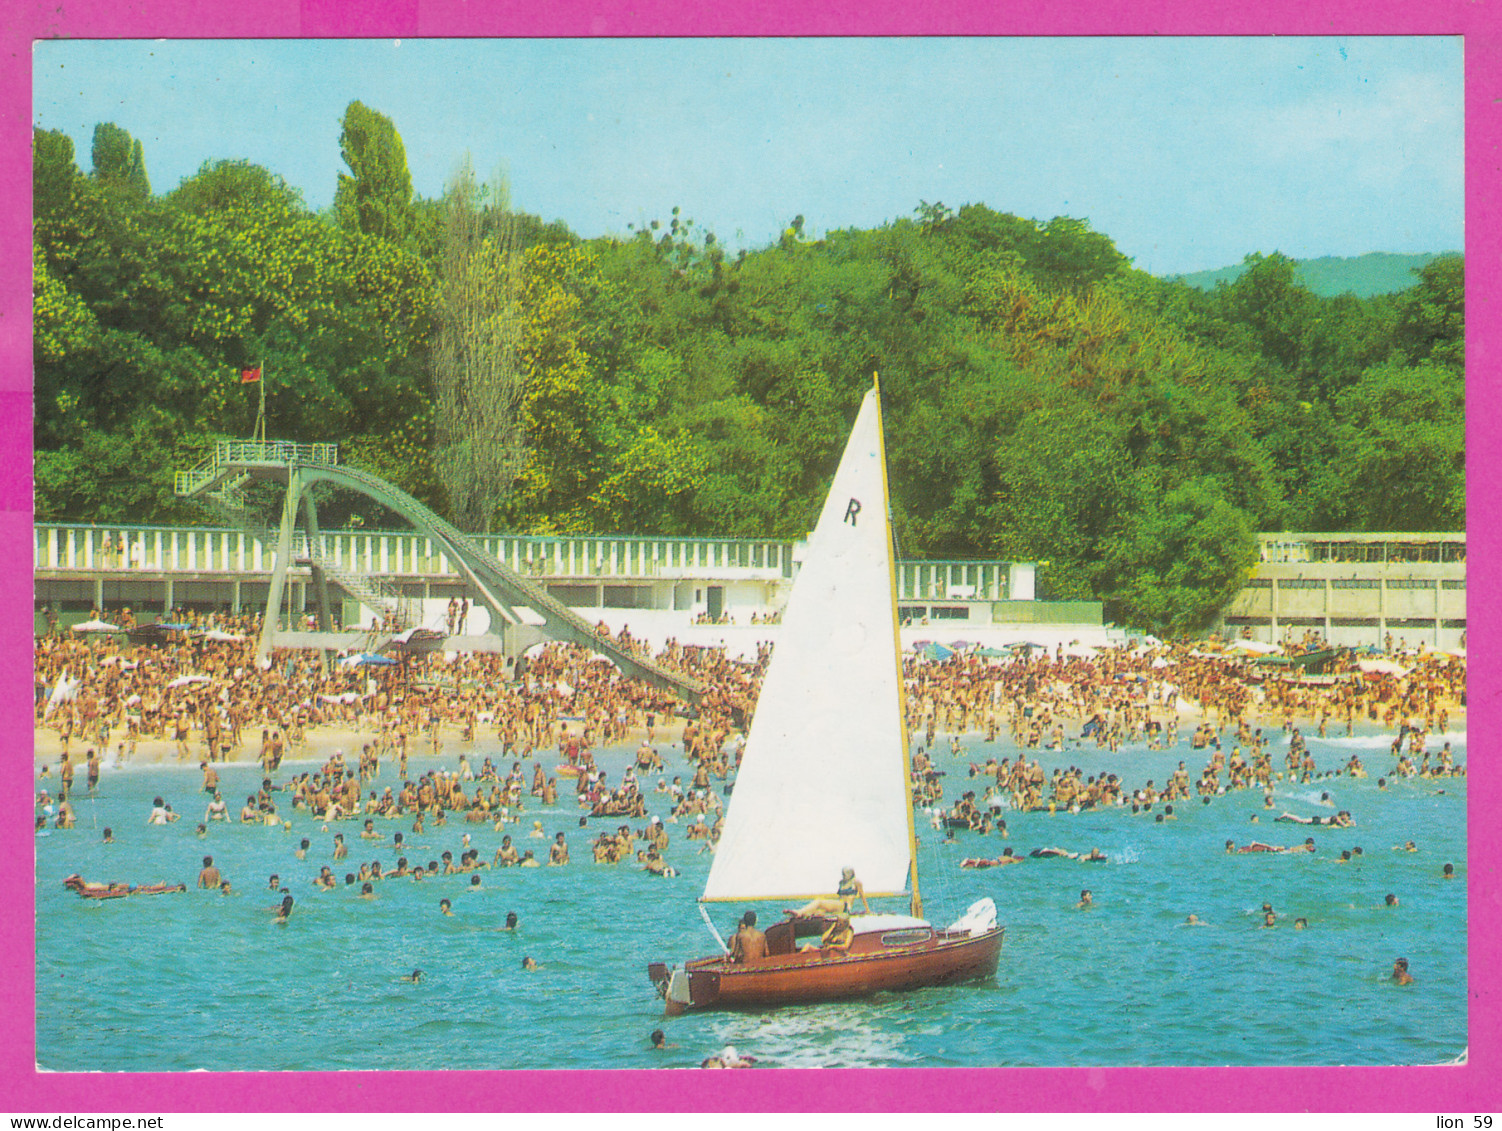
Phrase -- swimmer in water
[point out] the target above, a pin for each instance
(446, 908)
(1390, 900)
(511, 921)
(1192, 921)
(1269, 920)
(284, 912)
(414, 977)
(529, 963)
(1300, 924)
(659, 1041)
(1448, 873)
(1400, 974)
(1085, 903)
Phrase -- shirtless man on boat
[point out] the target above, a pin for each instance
(748, 944)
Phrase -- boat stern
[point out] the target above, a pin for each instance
(682, 990)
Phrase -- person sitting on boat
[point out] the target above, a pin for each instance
(836, 938)
(846, 894)
(748, 944)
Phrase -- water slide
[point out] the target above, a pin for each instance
(498, 586)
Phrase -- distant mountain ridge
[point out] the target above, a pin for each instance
(1376, 273)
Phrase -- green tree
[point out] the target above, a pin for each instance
(479, 376)
(1177, 560)
(1432, 321)
(1399, 452)
(375, 197)
(119, 161)
(1273, 305)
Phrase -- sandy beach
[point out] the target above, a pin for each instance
(321, 742)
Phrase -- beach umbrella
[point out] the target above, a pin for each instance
(937, 651)
(1382, 667)
(416, 640)
(1256, 647)
(216, 634)
(184, 680)
(364, 659)
(96, 625)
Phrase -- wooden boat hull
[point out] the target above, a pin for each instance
(815, 976)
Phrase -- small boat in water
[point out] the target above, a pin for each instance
(824, 787)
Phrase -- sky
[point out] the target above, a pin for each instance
(1190, 153)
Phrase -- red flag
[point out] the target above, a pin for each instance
(250, 376)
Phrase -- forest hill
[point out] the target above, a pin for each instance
(1044, 399)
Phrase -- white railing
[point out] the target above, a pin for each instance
(165, 549)
(70, 547)
(231, 454)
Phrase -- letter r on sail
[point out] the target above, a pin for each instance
(852, 509)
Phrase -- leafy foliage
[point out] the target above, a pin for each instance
(1043, 400)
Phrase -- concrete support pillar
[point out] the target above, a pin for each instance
(1382, 604)
(320, 582)
(279, 567)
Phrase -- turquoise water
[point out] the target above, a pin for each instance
(206, 981)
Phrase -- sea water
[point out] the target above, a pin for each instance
(202, 980)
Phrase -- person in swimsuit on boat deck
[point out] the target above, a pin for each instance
(836, 939)
(846, 894)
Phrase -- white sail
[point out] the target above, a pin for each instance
(823, 784)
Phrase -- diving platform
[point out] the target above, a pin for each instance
(219, 478)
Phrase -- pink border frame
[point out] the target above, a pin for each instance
(1470, 1088)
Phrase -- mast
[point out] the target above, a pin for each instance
(916, 902)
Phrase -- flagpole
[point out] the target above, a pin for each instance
(261, 414)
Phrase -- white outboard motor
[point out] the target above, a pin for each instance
(979, 918)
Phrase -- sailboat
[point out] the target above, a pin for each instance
(825, 783)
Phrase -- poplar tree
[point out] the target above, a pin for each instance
(119, 160)
(375, 196)
(479, 378)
